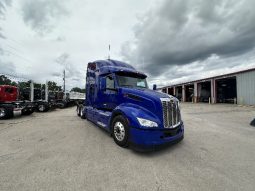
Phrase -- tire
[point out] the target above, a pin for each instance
(6, 112)
(3, 112)
(42, 107)
(78, 111)
(120, 131)
(82, 114)
(62, 105)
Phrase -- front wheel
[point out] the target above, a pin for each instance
(6, 112)
(83, 115)
(120, 131)
(3, 113)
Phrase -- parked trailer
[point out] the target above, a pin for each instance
(10, 105)
(37, 96)
(57, 99)
(67, 99)
(118, 100)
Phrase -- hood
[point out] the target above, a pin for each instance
(147, 93)
(146, 98)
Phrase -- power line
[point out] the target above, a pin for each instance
(11, 47)
(14, 77)
(21, 57)
(15, 42)
(17, 50)
(6, 40)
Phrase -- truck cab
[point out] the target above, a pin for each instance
(118, 99)
(8, 93)
(10, 105)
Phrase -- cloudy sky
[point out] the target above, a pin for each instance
(171, 40)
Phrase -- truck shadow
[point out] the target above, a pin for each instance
(159, 151)
(154, 152)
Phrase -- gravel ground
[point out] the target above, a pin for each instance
(59, 151)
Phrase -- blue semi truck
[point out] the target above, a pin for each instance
(118, 100)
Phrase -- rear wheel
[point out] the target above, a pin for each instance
(62, 104)
(120, 131)
(42, 107)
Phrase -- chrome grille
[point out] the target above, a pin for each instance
(171, 113)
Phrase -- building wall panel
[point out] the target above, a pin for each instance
(246, 88)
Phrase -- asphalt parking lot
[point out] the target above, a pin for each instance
(59, 151)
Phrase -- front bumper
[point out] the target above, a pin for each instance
(146, 140)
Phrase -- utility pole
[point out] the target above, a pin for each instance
(31, 91)
(46, 91)
(64, 87)
(109, 52)
(41, 91)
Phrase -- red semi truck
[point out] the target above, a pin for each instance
(10, 105)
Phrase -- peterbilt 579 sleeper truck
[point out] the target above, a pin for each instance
(118, 100)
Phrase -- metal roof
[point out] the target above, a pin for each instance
(209, 78)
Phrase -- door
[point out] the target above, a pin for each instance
(109, 98)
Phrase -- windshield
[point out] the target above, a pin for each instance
(131, 81)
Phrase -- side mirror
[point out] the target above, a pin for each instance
(154, 87)
(103, 83)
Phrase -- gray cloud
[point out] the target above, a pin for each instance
(7, 67)
(210, 67)
(71, 70)
(180, 32)
(1, 51)
(60, 39)
(63, 59)
(1, 34)
(42, 15)
(56, 74)
(3, 4)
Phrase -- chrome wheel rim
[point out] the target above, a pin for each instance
(41, 107)
(2, 112)
(119, 131)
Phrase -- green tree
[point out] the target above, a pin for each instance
(23, 85)
(52, 86)
(39, 86)
(4, 80)
(77, 89)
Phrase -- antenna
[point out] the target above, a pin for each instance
(109, 52)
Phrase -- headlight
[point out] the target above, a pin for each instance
(147, 123)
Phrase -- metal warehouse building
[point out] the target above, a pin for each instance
(238, 87)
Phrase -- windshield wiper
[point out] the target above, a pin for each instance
(126, 85)
(141, 87)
